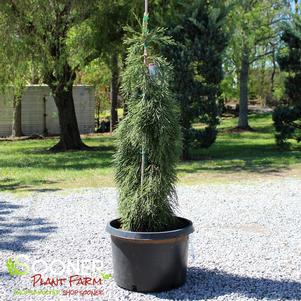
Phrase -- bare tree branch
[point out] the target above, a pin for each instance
(256, 58)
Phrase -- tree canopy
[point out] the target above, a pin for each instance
(225, 53)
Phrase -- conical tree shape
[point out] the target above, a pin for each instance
(149, 133)
(287, 117)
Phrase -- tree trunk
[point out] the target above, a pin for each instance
(273, 73)
(185, 149)
(262, 84)
(35, 79)
(114, 91)
(17, 120)
(123, 66)
(186, 126)
(69, 137)
(125, 109)
(45, 130)
(97, 113)
(243, 100)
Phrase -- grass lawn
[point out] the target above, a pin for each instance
(28, 166)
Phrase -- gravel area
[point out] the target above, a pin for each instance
(247, 243)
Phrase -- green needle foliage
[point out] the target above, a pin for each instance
(287, 118)
(151, 127)
(197, 59)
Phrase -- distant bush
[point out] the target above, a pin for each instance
(104, 126)
(287, 122)
(200, 138)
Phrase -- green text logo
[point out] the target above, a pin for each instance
(13, 267)
(105, 276)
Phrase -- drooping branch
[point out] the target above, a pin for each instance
(260, 56)
(29, 26)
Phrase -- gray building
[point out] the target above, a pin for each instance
(39, 112)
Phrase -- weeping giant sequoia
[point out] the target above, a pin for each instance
(148, 138)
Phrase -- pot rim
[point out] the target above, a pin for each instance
(112, 228)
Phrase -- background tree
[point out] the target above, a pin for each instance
(197, 60)
(296, 2)
(52, 37)
(287, 117)
(15, 69)
(98, 75)
(254, 35)
(108, 37)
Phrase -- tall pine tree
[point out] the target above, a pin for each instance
(287, 118)
(197, 60)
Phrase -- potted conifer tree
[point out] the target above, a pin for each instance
(149, 242)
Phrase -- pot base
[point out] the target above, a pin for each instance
(148, 263)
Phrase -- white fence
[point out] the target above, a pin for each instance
(39, 112)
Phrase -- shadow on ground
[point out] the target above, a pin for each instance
(8, 184)
(79, 160)
(239, 157)
(17, 232)
(203, 284)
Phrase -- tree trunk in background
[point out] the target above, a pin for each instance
(35, 78)
(70, 137)
(97, 113)
(114, 91)
(61, 89)
(186, 125)
(243, 100)
(123, 61)
(17, 120)
(45, 130)
(262, 84)
(125, 109)
(273, 73)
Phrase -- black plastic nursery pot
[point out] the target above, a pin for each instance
(150, 261)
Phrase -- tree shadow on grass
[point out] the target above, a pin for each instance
(17, 232)
(46, 151)
(242, 157)
(8, 184)
(75, 160)
(203, 284)
(266, 167)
